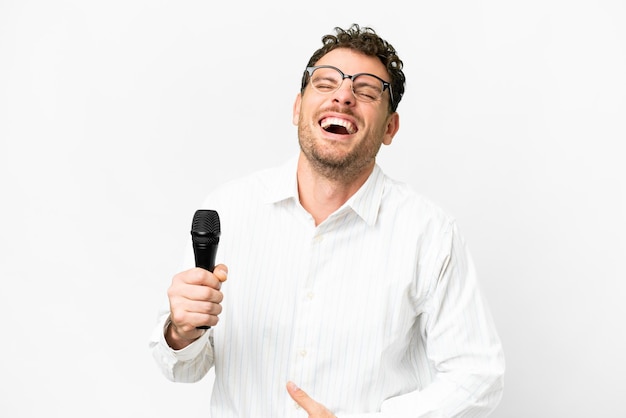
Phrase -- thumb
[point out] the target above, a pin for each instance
(221, 272)
(302, 398)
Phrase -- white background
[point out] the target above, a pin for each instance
(117, 117)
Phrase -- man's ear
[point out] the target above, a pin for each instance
(393, 124)
(296, 109)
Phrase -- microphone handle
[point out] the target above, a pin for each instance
(204, 254)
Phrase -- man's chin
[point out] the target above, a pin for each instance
(331, 161)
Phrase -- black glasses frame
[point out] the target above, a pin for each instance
(386, 84)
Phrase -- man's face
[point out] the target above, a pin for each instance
(340, 135)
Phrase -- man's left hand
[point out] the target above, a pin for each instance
(314, 409)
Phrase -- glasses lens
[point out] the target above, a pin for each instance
(326, 80)
(365, 87)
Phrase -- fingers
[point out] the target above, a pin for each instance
(194, 311)
(188, 316)
(195, 292)
(313, 408)
(301, 397)
(202, 277)
(195, 299)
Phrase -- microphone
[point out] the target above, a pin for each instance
(205, 235)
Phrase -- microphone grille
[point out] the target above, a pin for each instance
(206, 222)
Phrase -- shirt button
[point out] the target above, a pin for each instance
(310, 295)
(303, 353)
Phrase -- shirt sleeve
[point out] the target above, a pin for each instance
(187, 365)
(462, 346)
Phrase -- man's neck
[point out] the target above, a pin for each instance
(320, 195)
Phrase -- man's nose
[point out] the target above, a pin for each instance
(344, 93)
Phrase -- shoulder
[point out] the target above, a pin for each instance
(252, 190)
(410, 205)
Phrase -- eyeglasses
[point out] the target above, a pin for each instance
(365, 87)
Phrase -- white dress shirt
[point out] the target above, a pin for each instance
(376, 312)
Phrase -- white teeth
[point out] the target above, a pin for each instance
(339, 122)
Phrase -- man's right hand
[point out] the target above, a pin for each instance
(194, 298)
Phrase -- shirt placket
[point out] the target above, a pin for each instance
(308, 317)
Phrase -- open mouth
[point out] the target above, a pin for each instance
(338, 126)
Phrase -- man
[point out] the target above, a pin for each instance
(341, 281)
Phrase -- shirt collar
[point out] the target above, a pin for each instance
(285, 182)
(365, 202)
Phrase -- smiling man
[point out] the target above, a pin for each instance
(340, 137)
(341, 281)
